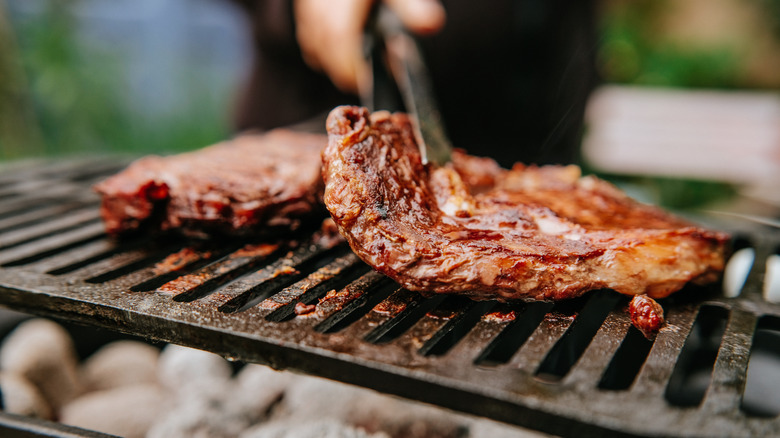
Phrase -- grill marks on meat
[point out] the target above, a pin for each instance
(474, 228)
(242, 186)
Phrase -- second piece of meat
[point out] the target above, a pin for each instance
(251, 184)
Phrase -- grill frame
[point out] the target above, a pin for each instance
(508, 392)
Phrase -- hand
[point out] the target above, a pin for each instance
(330, 33)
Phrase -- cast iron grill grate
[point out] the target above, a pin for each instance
(576, 368)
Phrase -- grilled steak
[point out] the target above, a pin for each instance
(248, 185)
(473, 228)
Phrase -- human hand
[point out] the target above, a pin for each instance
(330, 33)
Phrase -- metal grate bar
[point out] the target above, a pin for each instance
(658, 367)
(332, 298)
(12, 208)
(275, 276)
(458, 327)
(59, 169)
(14, 188)
(100, 261)
(203, 281)
(156, 270)
(51, 245)
(288, 278)
(47, 212)
(380, 314)
(356, 309)
(72, 256)
(730, 372)
(27, 186)
(331, 301)
(403, 317)
(430, 325)
(56, 193)
(65, 222)
(542, 340)
(589, 369)
(477, 340)
(133, 275)
(10, 172)
(16, 208)
(96, 173)
(18, 426)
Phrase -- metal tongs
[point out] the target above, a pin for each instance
(398, 70)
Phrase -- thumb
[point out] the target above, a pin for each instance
(419, 16)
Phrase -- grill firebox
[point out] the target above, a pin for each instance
(576, 368)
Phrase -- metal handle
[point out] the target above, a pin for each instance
(411, 77)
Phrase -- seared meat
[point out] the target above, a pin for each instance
(473, 228)
(646, 315)
(247, 185)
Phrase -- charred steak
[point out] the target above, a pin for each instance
(473, 228)
(247, 185)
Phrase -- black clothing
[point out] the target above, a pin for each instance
(512, 77)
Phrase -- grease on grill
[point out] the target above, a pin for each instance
(333, 301)
(500, 316)
(303, 309)
(302, 290)
(218, 272)
(284, 270)
(339, 297)
(391, 306)
(255, 250)
(179, 260)
(183, 284)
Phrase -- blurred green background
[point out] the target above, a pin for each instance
(717, 44)
(75, 83)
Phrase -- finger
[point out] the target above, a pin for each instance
(330, 34)
(344, 63)
(348, 67)
(419, 16)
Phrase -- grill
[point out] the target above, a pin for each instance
(576, 368)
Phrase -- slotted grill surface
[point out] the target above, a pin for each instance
(576, 368)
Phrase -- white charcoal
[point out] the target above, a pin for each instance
(311, 397)
(121, 363)
(42, 351)
(127, 411)
(21, 397)
(312, 429)
(187, 371)
(257, 387)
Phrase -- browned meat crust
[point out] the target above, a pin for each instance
(473, 228)
(243, 186)
(646, 315)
